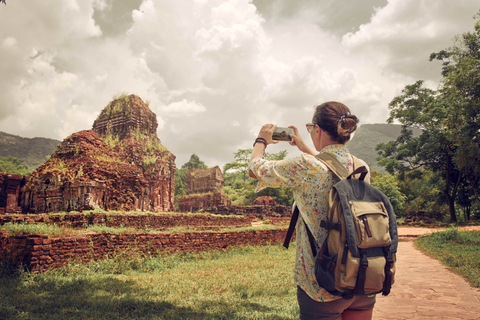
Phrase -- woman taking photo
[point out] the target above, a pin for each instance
(311, 181)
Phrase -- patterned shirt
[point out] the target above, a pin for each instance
(310, 181)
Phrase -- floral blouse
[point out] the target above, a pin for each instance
(310, 181)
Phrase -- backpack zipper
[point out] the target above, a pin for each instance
(367, 227)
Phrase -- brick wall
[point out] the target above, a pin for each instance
(152, 221)
(41, 252)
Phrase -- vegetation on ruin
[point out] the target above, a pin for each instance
(459, 250)
(55, 230)
(111, 139)
(241, 283)
(104, 157)
(119, 104)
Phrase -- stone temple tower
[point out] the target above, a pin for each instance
(118, 165)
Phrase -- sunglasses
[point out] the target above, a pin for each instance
(310, 127)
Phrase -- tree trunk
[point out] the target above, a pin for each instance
(451, 207)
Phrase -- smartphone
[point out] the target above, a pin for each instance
(282, 134)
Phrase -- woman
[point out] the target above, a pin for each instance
(311, 181)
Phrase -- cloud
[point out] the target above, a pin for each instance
(182, 108)
(401, 35)
(214, 71)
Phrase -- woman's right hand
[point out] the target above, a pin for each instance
(299, 143)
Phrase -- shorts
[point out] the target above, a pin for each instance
(332, 310)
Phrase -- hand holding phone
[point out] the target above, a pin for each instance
(282, 134)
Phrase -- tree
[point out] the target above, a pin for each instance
(14, 166)
(420, 188)
(461, 89)
(425, 109)
(388, 184)
(240, 164)
(449, 117)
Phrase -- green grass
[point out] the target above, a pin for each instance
(459, 250)
(241, 283)
(59, 231)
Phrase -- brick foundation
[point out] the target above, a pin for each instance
(41, 252)
(151, 221)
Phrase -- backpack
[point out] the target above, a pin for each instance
(359, 253)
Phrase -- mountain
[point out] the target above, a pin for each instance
(368, 136)
(33, 151)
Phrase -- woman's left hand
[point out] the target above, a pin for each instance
(299, 143)
(267, 132)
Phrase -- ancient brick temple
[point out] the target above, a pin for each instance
(204, 180)
(204, 191)
(10, 186)
(118, 165)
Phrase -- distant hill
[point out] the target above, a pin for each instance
(366, 138)
(33, 151)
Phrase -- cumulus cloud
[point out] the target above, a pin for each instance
(401, 35)
(182, 108)
(214, 71)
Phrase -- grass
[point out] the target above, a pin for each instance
(241, 283)
(55, 230)
(459, 250)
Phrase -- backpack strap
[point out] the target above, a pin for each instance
(359, 169)
(291, 227)
(333, 165)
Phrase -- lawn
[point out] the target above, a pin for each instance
(241, 283)
(459, 250)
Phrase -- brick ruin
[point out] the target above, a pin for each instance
(204, 180)
(118, 165)
(10, 186)
(204, 191)
(39, 252)
(121, 165)
(264, 201)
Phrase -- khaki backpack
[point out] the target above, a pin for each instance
(358, 255)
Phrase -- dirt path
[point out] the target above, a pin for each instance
(426, 289)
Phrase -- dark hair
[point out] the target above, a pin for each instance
(335, 118)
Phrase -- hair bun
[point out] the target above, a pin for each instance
(347, 124)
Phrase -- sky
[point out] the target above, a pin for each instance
(215, 71)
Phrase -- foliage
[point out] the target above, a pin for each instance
(449, 118)
(151, 146)
(241, 193)
(14, 166)
(461, 90)
(240, 164)
(111, 139)
(241, 283)
(388, 184)
(458, 250)
(421, 189)
(241, 190)
(148, 160)
(31, 150)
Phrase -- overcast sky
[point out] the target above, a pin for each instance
(214, 71)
